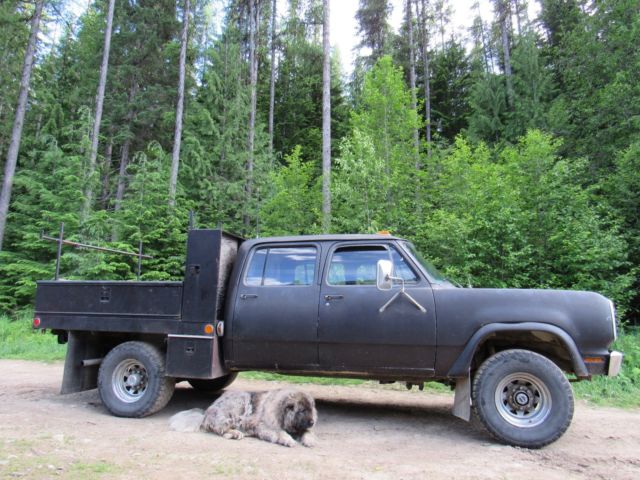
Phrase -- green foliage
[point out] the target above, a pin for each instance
(495, 201)
(379, 161)
(450, 89)
(359, 186)
(19, 341)
(623, 189)
(518, 217)
(489, 108)
(145, 215)
(215, 155)
(295, 189)
(597, 62)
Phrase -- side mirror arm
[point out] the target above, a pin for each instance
(404, 294)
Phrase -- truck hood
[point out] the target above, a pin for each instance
(586, 316)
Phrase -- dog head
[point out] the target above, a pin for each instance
(299, 411)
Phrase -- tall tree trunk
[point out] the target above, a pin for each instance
(412, 80)
(422, 12)
(106, 174)
(124, 154)
(272, 80)
(253, 82)
(485, 52)
(504, 13)
(517, 9)
(16, 135)
(326, 119)
(177, 136)
(95, 136)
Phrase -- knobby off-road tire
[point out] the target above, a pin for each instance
(213, 385)
(523, 398)
(132, 381)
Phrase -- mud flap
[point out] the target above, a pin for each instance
(462, 400)
(77, 377)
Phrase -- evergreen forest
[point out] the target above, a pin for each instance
(509, 152)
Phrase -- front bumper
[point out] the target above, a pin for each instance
(608, 364)
(615, 363)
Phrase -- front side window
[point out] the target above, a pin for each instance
(358, 265)
(282, 266)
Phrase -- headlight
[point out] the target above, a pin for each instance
(613, 320)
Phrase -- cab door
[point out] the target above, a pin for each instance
(354, 335)
(276, 310)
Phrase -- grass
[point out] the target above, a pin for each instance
(19, 341)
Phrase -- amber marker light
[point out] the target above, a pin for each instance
(208, 329)
(384, 232)
(593, 360)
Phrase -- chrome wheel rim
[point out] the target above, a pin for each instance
(130, 380)
(523, 400)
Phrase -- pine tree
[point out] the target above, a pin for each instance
(373, 27)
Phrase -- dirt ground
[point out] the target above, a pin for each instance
(362, 431)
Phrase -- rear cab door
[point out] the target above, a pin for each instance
(276, 308)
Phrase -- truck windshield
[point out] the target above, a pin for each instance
(433, 272)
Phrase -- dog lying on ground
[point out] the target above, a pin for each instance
(282, 416)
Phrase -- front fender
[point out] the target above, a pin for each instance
(461, 366)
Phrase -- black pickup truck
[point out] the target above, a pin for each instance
(358, 306)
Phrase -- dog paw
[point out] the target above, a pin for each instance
(234, 435)
(308, 440)
(287, 441)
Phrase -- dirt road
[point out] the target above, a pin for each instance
(363, 432)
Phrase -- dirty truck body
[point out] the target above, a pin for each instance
(358, 306)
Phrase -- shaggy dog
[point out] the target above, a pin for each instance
(278, 416)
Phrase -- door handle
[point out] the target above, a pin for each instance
(333, 297)
(244, 296)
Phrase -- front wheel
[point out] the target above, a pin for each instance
(523, 398)
(132, 381)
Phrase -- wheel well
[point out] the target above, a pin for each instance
(544, 343)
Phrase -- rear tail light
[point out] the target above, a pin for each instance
(36, 322)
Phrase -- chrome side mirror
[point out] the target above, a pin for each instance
(383, 276)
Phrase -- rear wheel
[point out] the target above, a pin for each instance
(213, 385)
(132, 381)
(523, 398)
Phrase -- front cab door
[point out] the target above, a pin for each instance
(354, 336)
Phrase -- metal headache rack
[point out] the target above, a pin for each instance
(61, 241)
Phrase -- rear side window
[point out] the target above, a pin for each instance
(282, 266)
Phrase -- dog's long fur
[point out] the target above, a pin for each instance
(279, 416)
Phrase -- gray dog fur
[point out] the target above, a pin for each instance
(282, 416)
